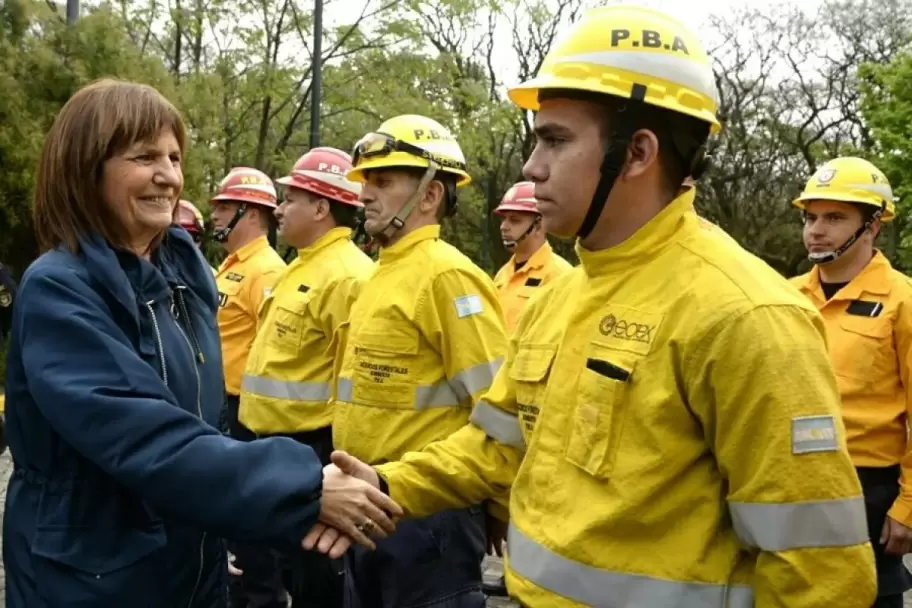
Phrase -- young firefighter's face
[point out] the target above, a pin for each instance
(565, 163)
(829, 224)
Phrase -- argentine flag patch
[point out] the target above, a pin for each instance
(468, 305)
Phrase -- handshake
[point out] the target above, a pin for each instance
(352, 508)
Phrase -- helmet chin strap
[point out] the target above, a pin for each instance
(828, 257)
(222, 235)
(511, 245)
(398, 220)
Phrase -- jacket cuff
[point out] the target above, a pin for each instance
(901, 511)
(495, 509)
(384, 485)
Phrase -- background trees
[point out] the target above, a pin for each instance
(796, 89)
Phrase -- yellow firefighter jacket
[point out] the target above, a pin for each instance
(244, 280)
(517, 286)
(669, 422)
(425, 341)
(869, 329)
(288, 382)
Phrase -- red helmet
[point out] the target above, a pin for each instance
(189, 217)
(322, 172)
(246, 185)
(521, 197)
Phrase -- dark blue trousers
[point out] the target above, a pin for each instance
(427, 563)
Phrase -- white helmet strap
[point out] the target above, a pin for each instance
(398, 220)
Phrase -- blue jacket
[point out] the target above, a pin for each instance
(123, 488)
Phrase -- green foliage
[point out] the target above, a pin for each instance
(241, 72)
(888, 110)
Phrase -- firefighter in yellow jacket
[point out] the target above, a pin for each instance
(534, 263)
(287, 385)
(241, 212)
(667, 414)
(867, 310)
(241, 215)
(425, 340)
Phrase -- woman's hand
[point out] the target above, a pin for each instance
(355, 508)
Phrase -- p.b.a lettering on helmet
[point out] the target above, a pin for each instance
(432, 135)
(247, 185)
(647, 39)
(626, 51)
(416, 131)
(322, 171)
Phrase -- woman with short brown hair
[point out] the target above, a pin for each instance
(123, 487)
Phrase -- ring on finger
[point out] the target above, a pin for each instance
(366, 527)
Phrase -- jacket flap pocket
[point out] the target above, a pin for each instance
(229, 288)
(872, 327)
(97, 550)
(532, 362)
(393, 339)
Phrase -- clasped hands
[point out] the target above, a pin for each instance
(352, 508)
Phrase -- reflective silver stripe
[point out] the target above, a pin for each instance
(452, 393)
(784, 526)
(498, 425)
(608, 589)
(476, 378)
(344, 390)
(679, 70)
(435, 395)
(882, 190)
(282, 389)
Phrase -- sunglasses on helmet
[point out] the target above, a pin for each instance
(380, 144)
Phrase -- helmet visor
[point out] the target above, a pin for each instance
(379, 144)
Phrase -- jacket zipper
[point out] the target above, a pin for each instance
(198, 355)
(158, 338)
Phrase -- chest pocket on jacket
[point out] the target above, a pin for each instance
(530, 371)
(602, 404)
(227, 292)
(385, 365)
(289, 322)
(530, 287)
(864, 351)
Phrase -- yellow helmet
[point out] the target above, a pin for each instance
(629, 52)
(409, 140)
(850, 180)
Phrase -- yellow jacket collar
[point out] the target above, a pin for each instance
(335, 234)
(247, 251)
(651, 238)
(536, 261)
(874, 279)
(408, 242)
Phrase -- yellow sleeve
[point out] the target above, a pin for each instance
(474, 464)
(764, 390)
(333, 303)
(258, 288)
(463, 320)
(901, 510)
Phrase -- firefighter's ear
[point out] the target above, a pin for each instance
(322, 209)
(433, 197)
